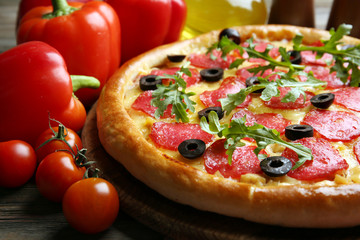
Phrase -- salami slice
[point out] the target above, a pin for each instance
(275, 102)
(244, 74)
(244, 160)
(195, 75)
(310, 58)
(170, 135)
(334, 125)
(348, 97)
(261, 47)
(143, 103)
(269, 120)
(229, 85)
(323, 74)
(206, 61)
(326, 162)
(357, 150)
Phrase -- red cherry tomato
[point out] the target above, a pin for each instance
(57, 142)
(17, 163)
(91, 205)
(56, 173)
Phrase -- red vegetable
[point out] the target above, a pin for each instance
(87, 36)
(17, 163)
(27, 5)
(58, 138)
(91, 205)
(35, 84)
(56, 173)
(146, 24)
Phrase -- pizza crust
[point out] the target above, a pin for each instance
(292, 206)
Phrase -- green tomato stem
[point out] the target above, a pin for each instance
(80, 81)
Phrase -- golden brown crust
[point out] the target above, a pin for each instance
(293, 206)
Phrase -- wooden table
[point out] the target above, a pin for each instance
(25, 214)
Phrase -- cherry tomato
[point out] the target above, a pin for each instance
(57, 142)
(91, 205)
(17, 163)
(56, 173)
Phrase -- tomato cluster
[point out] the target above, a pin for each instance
(59, 164)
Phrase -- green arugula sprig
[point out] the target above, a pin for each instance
(261, 134)
(174, 94)
(271, 89)
(347, 60)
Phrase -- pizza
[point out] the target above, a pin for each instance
(254, 122)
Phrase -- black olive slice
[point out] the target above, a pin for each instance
(295, 57)
(323, 100)
(176, 58)
(276, 166)
(232, 34)
(149, 82)
(212, 74)
(250, 81)
(205, 112)
(298, 131)
(192, 148)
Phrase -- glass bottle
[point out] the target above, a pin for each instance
(206, 15)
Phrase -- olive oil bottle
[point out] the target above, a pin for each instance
(206, 15)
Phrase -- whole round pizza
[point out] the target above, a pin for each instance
(255, 122)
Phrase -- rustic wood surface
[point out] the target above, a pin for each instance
(25, 214)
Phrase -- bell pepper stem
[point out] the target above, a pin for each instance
(60, 8)
(80, 81)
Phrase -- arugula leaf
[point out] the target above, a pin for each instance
(261, 134)
(346, 60)
(271, 89)
(175, 95)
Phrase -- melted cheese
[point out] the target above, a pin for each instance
(144, 123)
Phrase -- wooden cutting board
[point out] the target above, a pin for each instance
(177, 221)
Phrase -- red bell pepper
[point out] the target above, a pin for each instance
(146, 24)
(35, 84)
(27, 5)
(87, 35)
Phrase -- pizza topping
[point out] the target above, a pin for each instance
(269, 120)
(143, 103)
(323, 100)
(357, 150)
(298, 131)
(149, 82)
(262, 135)
(346, 60)
(310, 58)
(250, 81)
(192, 148)
(229, 85)
(174, 95)
(243, 161)
(285, 92)
(191, 78)
(326, 162)
(323, 74)
(334, 125)
(205, 112)
(294, 57)
(276, 166)
(348, 97)
(231, 34)
(170, 135)
(212, 74)
(212, 59)
(279, 102)
(176, 58)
